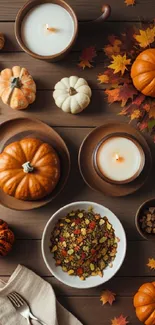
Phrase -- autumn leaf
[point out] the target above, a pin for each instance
(113, 79)
(152, 110)
(145, 37)
(143, 125)
(146, 107)
(122, 93)
(107, 296)
(129, 2)
(119, 320)
(86, 57)
(103, 78)
(135, 114)
(139, 100)
(119, 63)
(113, 48)
(151, 263)
(151, 125)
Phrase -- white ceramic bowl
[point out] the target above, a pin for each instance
(92, 281)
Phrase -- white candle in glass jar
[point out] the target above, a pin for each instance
(120, 159)
(47, 29)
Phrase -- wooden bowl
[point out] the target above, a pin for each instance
(145, 205)
(86, 160)
(19, 128)
(20, 16)
(97, 150)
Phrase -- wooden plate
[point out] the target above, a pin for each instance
(86, 164)
(19, 128)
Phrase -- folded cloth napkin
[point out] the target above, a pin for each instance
(40, 296)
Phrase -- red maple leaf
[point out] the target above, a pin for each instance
(128, 110)
(119, 320)
(115, 79)
(121, 94)
(138, 100)
(87, 56)
(107, 296)
(143, 125)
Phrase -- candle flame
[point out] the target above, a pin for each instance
(117, 156)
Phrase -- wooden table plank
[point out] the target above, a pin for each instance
(44, 108)
(47, 74)
(28, 225)
(89, 34)
(123, 290)
(143, 9)
(90, 311)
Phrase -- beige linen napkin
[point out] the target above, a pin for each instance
(40, 296)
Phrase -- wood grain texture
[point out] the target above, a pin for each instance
(89, 34)
(123, 290)
(144, 9)
(44, 108)
(28, 226)
(47, 74)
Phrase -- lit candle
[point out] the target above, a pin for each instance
(47, 29)
(119, 159)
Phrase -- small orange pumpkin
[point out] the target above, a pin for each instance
(143, 72)
(144, 302)
(29, 169)
(17, 87)
(6, 238)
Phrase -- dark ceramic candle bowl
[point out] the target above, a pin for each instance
(58, 56)
(19, 19)
(140, 213)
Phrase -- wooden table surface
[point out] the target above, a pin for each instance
(28, 226)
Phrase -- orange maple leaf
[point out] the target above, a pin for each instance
(119, 320)
(135, 114)
(145, 37)
(151, 263)
(107, 296)
(129, 2)
(86, 57)
(146, 107)
(113, 48)
(119, 63)
(103, 78)
(122, 93)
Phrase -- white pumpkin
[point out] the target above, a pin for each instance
(72, 94)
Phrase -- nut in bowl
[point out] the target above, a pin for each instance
(94, 244)
(145, 219)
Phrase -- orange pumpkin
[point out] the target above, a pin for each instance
(143, 72)
(144, 302)
(29, 169)
(17, 87)
(6, 238)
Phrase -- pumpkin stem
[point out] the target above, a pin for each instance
(27, 168)
(15, 82)
(72, 91)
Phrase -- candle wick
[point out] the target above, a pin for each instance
(50, 29)
(118, 158)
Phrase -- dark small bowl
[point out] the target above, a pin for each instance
(147, 204)
(20, 16)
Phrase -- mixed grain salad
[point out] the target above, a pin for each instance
(83, 243)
